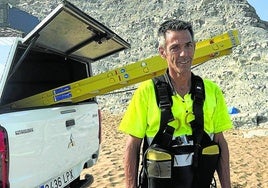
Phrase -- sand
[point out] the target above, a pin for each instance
(248, 157)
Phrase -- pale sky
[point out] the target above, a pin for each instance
(261, 7)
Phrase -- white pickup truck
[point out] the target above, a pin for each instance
(48, 146)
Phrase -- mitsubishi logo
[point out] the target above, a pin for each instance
(71, 143)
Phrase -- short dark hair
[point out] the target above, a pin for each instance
(173, 25)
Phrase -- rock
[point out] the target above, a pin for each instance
(257, 132)
(255, 57)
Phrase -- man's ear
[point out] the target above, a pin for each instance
(162, 52)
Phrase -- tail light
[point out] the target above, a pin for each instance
(99, 112)
(3, 159)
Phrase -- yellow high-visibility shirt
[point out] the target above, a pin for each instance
(142, 116)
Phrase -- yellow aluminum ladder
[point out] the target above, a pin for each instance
(127, 75)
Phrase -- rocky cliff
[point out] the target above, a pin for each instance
(242, 75)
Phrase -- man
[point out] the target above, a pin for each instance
(142, 118)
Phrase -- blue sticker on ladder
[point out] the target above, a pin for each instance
(62, 96)
(61, 89)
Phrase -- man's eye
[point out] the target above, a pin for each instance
(189, 45)
(174, 49)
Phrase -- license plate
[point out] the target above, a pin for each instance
(60, 181)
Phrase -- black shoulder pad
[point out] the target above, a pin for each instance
(163, 91)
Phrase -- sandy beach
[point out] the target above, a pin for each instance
(248, 157)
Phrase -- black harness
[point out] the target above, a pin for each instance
(164, 136)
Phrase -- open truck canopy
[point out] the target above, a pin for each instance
(72, 33)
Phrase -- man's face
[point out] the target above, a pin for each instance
(179, 51)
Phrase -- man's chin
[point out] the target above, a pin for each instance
(183, 72)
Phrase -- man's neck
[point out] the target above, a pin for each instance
(181, 83)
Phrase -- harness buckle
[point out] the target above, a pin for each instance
(164, 104)
(182, 140)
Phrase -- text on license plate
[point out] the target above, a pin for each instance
(60, 181)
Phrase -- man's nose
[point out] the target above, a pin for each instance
(183, 52)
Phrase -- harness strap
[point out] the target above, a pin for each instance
(183, 150)
(164, 100)
(198, 96)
